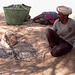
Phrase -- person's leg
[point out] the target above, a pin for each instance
(42, 20)
(52, 37)
(61, 46)
(61, 49)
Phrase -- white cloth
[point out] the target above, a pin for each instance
(65, 10)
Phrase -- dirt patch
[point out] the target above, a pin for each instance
(34, 35)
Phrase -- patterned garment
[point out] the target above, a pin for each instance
(50, 16)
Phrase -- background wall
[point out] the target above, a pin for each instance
(39, 6)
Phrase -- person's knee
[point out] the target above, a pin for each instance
(48, 31)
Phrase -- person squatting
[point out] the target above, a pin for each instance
(62, 35)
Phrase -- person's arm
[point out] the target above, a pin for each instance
(54, 27)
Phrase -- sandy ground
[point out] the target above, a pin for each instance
(34, 34)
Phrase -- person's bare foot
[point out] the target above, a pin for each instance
(49, 48)
(47, 51)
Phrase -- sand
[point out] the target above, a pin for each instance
(34, 35)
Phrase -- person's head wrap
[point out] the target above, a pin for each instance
(64, 10)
